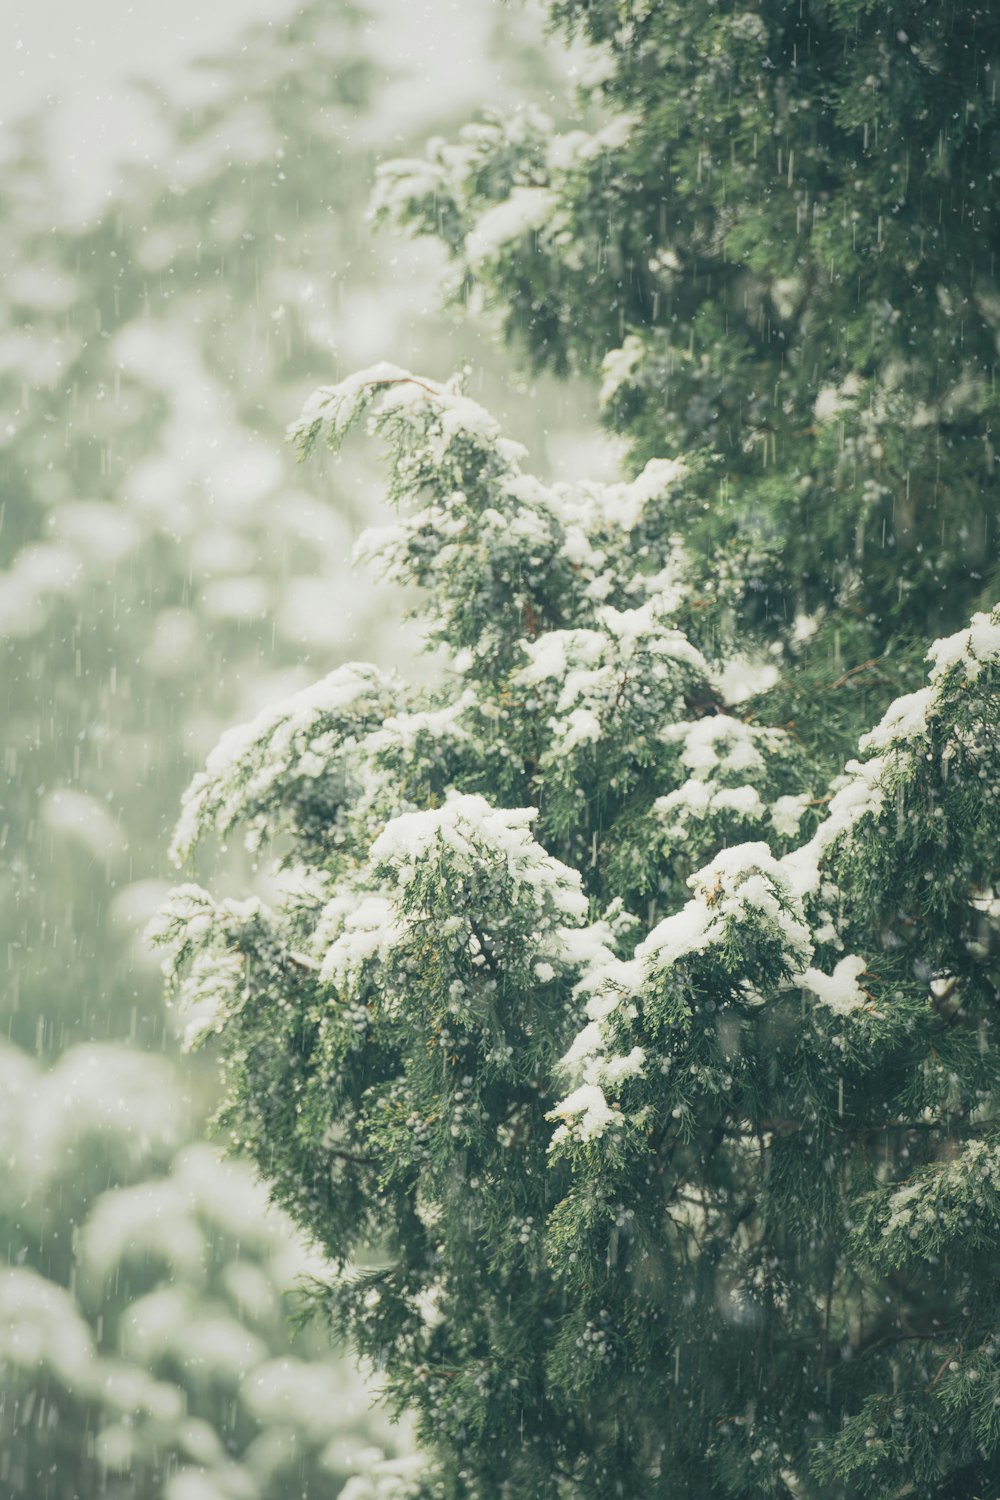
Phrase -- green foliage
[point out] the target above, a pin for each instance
(778, 240)
(628, 1045)
(611, 1215)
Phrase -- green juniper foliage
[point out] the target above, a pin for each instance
(636, 1189)
(780, 245)
(639, 1075)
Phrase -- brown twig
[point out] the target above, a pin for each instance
(853, 671)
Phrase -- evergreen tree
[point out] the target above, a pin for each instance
(779, 247)
(633, 1218)
(640, 1079)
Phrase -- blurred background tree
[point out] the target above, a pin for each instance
(164, 570)
(144, 1338)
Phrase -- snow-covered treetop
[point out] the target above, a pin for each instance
(703, 324)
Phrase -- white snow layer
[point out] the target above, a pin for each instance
(469, 828)
(525, 211)
(839, 990)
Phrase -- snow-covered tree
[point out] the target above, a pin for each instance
(642, 1092)
(772, 235)
(639, 1076)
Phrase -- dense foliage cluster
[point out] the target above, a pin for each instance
(638, 1073)
(777, 244)
(583, 1168)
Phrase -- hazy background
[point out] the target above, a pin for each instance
(83, 64)
(184, 255)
